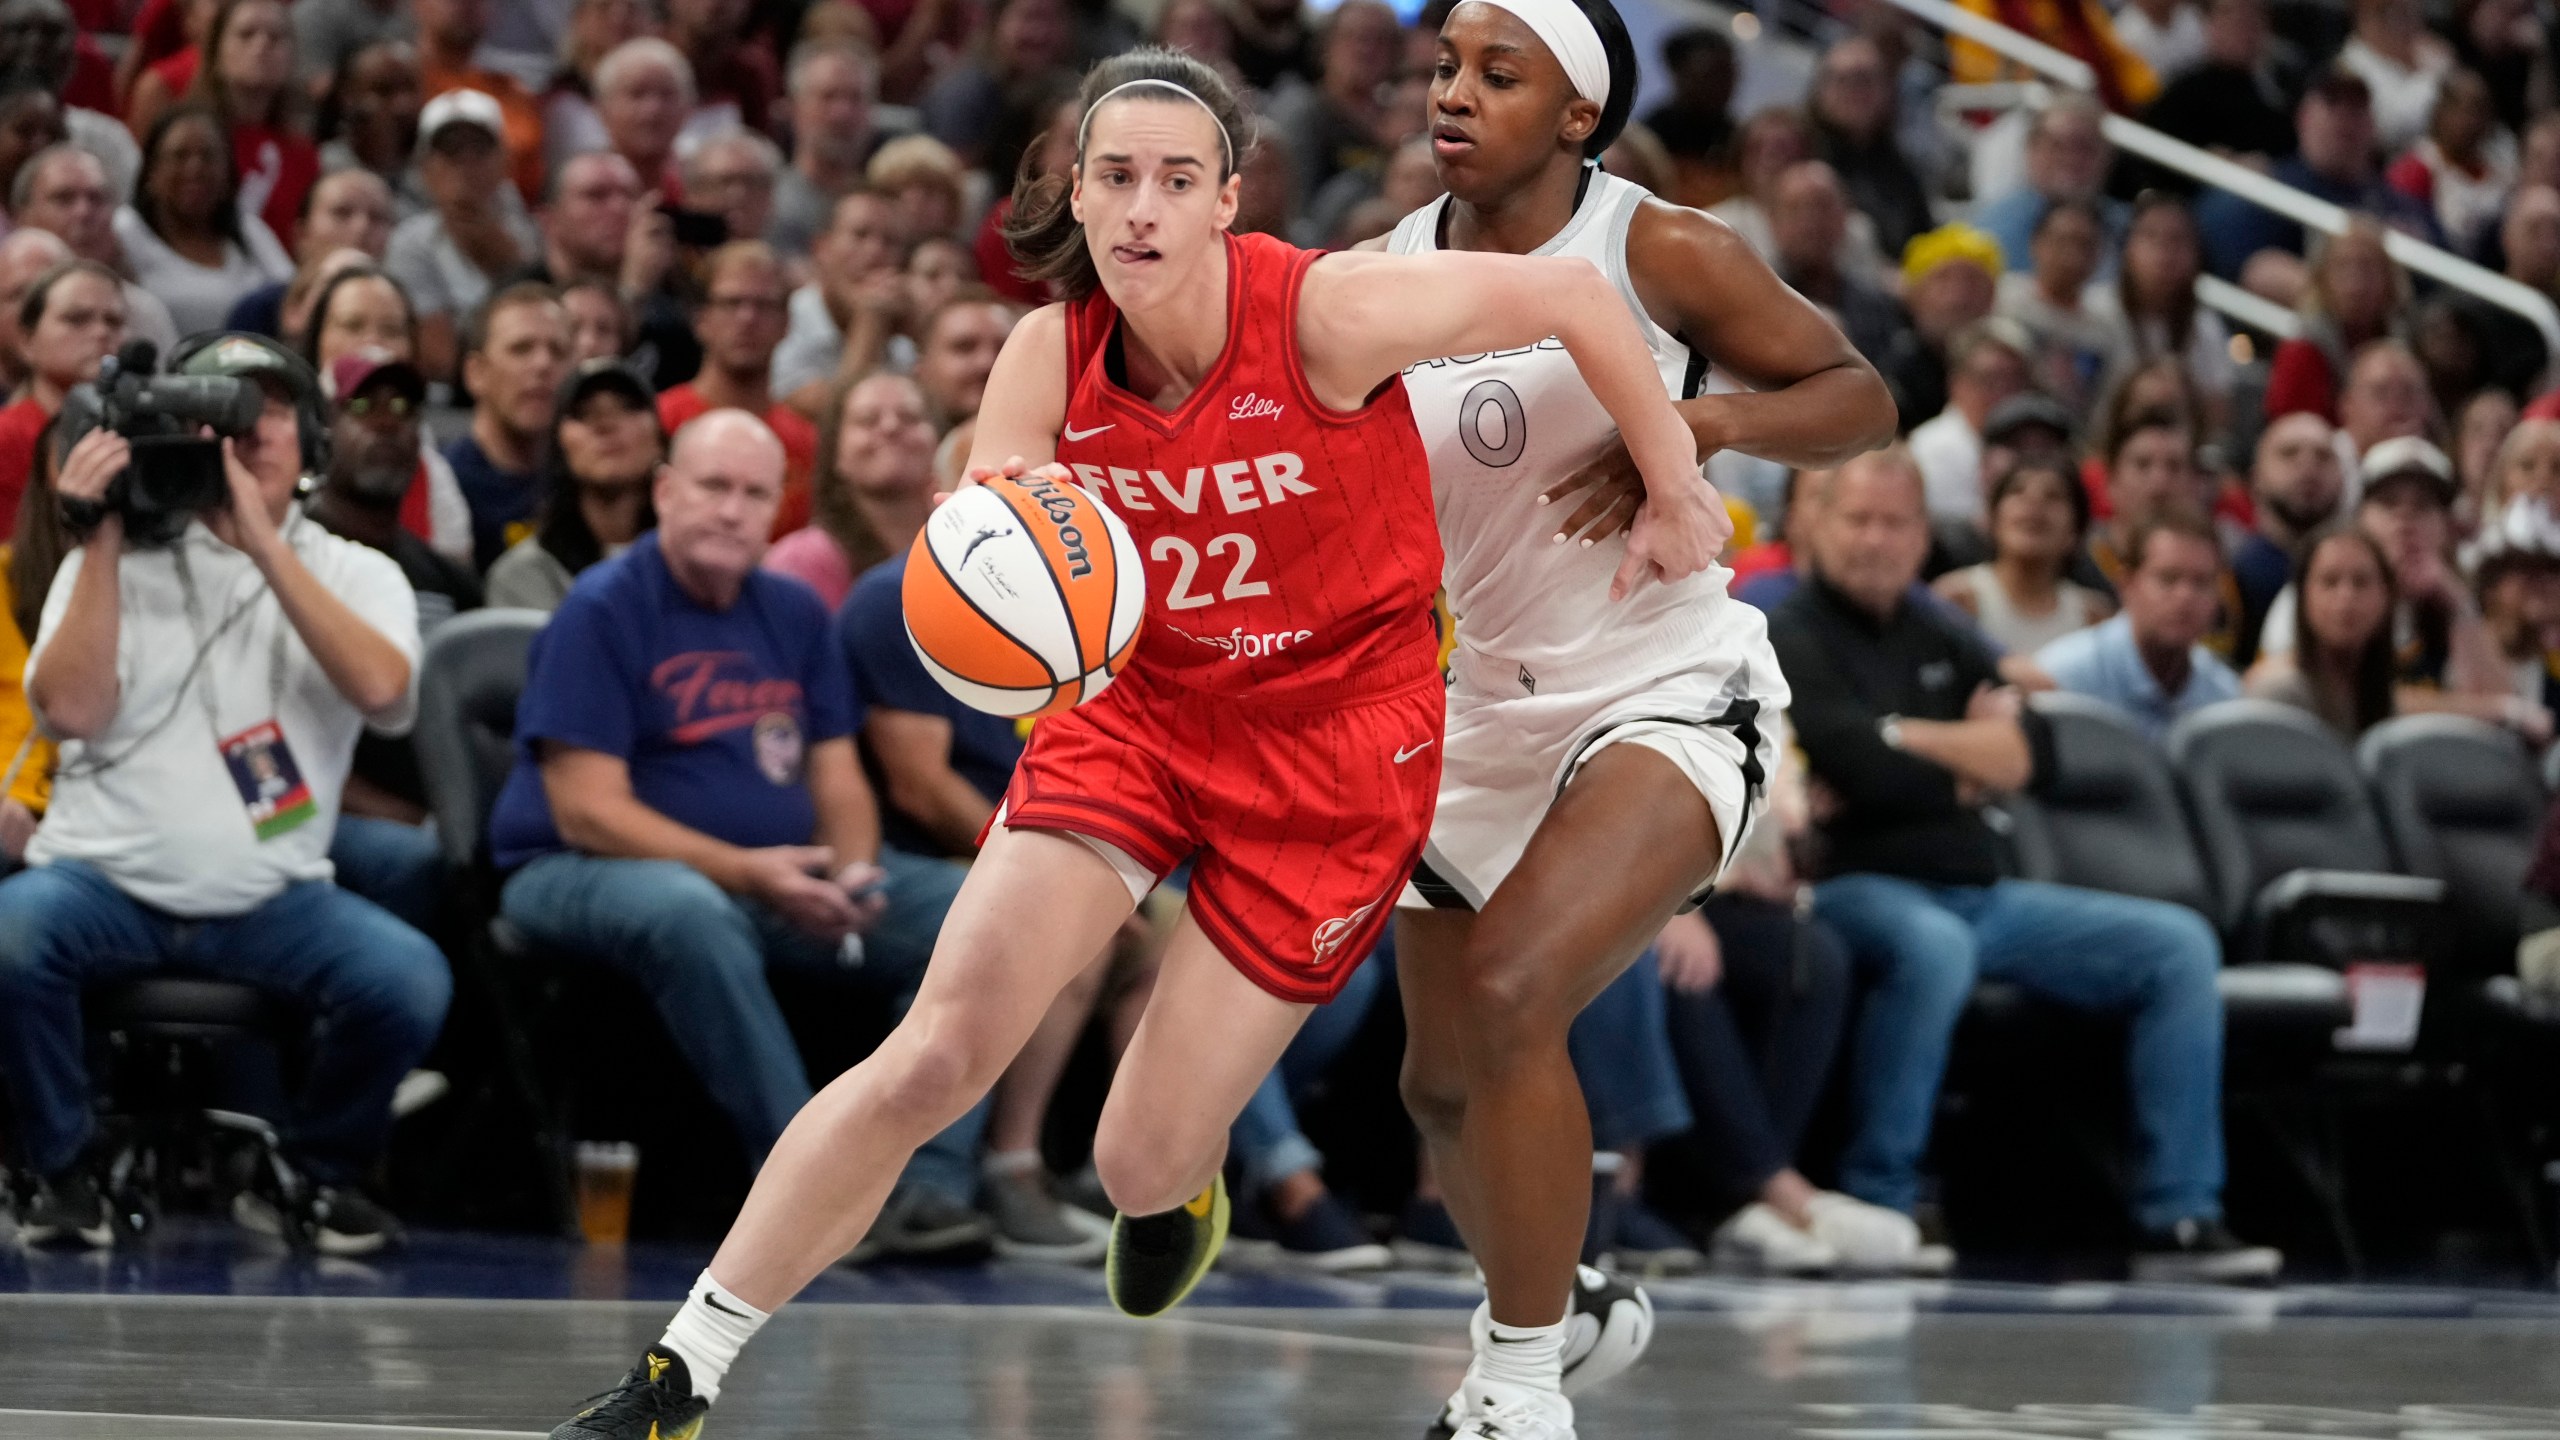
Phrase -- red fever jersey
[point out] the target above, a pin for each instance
(1290, 549)
(1280, 723)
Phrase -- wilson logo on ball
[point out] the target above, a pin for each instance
(1024, 596)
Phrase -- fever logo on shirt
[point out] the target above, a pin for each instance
(713, 691)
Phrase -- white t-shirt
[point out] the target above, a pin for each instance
(151, 802)
(1948, 451)
(200, 297)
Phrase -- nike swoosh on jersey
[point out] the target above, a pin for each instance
(1072, 433)
(1404, 755)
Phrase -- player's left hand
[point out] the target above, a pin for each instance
(1013, 468)
(1611, 489)
(1676, 534)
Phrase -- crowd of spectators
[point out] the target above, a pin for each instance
(668, 317)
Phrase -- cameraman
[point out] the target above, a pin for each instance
(209, 690)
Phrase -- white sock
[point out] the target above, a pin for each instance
(710, 1330)
(1001, 1163)
(1531, 1357)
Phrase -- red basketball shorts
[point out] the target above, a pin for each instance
(1301, 823)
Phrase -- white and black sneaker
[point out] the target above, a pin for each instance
(343, 1219)
(68, 1209)
(1512, 1412)
(1607, 1332)
(2203, 1252)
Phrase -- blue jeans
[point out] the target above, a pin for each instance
(1621, 1049)
(375, 988)
(1919, 949)
(395, 866)
(1266, 1138)
(701, 955)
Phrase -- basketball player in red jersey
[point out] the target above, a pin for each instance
(1237, 401)
(1602, 760)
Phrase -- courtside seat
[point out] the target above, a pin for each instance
(2461, 803)
(2111, 818)
(2298, 860)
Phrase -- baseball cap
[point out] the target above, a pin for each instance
(1946, 245)
(461, 107)
(2526, 538)
(2338, 83)
(2413, 458)
(350, 374)
(606, 373)
(2026, 410)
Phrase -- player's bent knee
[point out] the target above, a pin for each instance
(931, 1079)
(1510, 1004)
(1435, 1096)
(1143, 1173)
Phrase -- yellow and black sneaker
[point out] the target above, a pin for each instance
(1156, 1259)
(654, 1402)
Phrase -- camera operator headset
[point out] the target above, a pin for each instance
(105, 478)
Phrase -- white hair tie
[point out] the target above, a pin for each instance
(1571, 38)
(1224, 139)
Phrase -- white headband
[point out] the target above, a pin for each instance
(1571, 38)
(1108, 95)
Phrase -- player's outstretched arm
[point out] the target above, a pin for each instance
(1813, 401)
(1364, 317)
(1026, 399)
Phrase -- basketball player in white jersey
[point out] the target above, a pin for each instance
(1608, 734)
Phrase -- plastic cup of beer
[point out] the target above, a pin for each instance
(605, 1173)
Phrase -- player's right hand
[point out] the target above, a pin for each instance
(797, 881)
(1013, 468)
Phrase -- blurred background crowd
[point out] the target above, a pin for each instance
(2162, 447)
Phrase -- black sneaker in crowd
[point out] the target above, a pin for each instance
(2203, 1252)
(1646, 1244)
(1427, 1239)
(654, 1402)
(1327, 1238)
(68, 1209)
(346, 1220)
(922, 1224)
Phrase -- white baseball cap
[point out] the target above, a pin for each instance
(462, 107)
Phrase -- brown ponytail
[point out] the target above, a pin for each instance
(1047, 240)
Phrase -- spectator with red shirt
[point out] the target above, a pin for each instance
(247, 80)
(731, 70)
(73, 317)
(164, 76)
(2354, 297)
(741, 321)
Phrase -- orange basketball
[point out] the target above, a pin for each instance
(1024, 596)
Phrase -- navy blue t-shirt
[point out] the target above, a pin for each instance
(2262, 568)
(500, 500)
(713, 710)
(887, 674)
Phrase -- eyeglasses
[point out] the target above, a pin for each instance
(379, 407)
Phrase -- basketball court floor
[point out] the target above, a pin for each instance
(205, 1337)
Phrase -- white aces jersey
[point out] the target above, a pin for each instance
(1503, 427)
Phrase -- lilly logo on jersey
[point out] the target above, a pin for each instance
(1249, 406)
(1238, 485)
(1060, 507)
